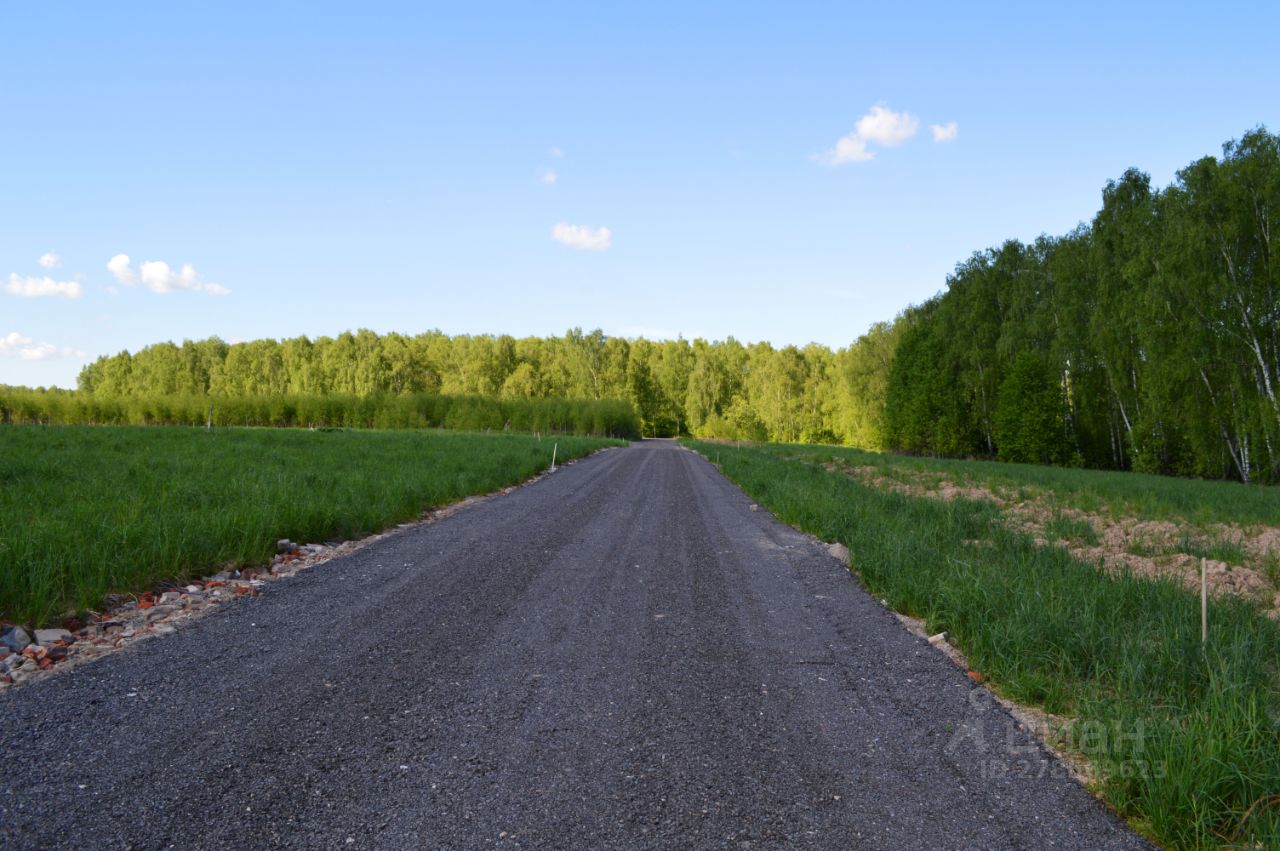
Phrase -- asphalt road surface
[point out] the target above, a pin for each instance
(622, 655)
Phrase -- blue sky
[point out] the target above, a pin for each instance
(331, 166)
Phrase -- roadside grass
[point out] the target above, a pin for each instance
(1146, 497)
(1185, 739)
(89, 511)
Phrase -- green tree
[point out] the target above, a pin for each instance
(1030, 417)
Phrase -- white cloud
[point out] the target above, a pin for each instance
(159, 277)
(881, 126)
(49, 260)
(119, 268)
(13, 341)
(850, 149)
(28, 349)
(549, 176)
(33, 287)
(886, 127)
(47, 351)
(583, 237)
(944, 132)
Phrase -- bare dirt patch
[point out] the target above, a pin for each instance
(1239, 561)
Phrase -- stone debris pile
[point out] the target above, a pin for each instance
(25, 656)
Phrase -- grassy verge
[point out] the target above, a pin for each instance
(89, 511)
(1185, 739)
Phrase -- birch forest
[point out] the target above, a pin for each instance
(1147, 339)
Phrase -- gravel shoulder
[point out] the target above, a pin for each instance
(623, 654)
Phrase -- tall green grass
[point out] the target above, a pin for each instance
(89, 511)
(1072, 529)
(595, 417)
(1187, 739)
(1136, 494)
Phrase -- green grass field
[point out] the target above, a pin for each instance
(594, 417)
(88, 511)
(1186, 739)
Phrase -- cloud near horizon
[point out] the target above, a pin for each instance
(881, 127)
(583, 237)
(28, 349)
(159, 277)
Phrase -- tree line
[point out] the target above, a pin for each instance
(1147, 339)
(715, 389)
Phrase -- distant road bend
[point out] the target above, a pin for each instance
(620, 655)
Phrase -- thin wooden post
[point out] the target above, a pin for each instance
(1204, 603)
(554, 449)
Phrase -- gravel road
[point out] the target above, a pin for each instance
(621, 655)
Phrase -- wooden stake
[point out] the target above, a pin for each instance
(1204, 603)
(553, 456)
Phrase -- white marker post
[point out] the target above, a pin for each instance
(1204, 603)
(553, 457)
